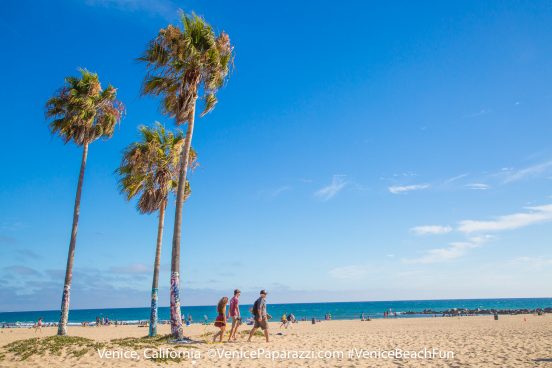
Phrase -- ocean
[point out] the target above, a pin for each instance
(340, 310)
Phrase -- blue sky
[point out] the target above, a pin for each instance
(360, 151)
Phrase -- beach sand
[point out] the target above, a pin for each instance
(512, 341)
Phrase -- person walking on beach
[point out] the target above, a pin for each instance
(261, 316)
(220, 322)
(234, 313)
(38, 326)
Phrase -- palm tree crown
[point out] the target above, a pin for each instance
(150, 167)
(182, 61)
(82, 111)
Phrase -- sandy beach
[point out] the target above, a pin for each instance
(512, 341)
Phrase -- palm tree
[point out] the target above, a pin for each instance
(82, 112)
(149, 168)
(183, 63)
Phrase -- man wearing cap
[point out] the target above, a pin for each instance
(234, 313)
(261, 317)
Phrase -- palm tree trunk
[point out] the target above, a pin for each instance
(62, 327)
(155, 283)
(176, 318)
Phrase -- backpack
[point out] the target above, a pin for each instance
(256, 306)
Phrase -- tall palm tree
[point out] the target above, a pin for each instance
(184, 63)
(149, 168)
(82, 112)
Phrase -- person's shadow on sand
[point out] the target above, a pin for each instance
(549, 360)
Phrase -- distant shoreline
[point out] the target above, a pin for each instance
(545, 298)
(454, 312)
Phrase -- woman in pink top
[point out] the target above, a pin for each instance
(234, 313)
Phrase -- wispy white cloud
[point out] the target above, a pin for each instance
(533, 215)
(489, 179)
(436, 255)
(453, 251)
(348, 272)
(276, 192)
(405, 174)
(431, 229)
(478, 186)
(339, 182)
(455, 178)
(527, 172)
(398, 189)
(272, 193)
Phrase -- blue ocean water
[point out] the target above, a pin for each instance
(340, 310)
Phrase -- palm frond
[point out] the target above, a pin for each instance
(184, 63)
(210, 102)
(149, 167)
(81, 111)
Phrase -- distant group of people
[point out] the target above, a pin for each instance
(38, 325)
(287, 319)
(260, 316)
(102, 321)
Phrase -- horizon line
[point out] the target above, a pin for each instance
(353, 301)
